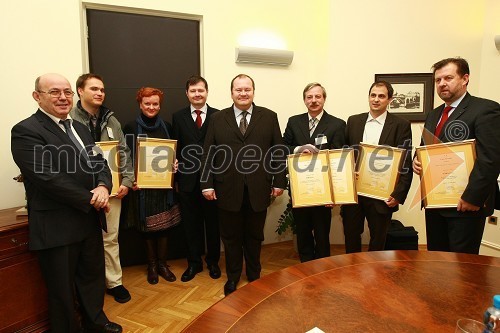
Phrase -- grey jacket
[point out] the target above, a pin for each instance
(111, 130)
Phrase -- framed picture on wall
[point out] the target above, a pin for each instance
(413, 96)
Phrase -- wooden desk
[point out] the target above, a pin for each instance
(23, 296)
(390, 291)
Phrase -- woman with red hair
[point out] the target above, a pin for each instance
(151, 203)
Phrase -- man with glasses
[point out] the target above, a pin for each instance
(67, 189)
(103, 126)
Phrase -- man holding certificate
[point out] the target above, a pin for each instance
(377, 127)
(463, 117)
(308, 133)
(103, 126)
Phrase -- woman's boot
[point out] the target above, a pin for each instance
(162, 260)
(152, 261)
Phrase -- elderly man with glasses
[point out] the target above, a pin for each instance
(67, 189)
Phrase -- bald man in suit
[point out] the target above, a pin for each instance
(466, 117)
(67, 189)
(379, 127)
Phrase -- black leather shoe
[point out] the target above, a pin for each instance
(230, 287)
(120, 293)
(214, 271)
(252, 279)
(111, 327)
(190, 273)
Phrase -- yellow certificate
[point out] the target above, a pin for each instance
(110, 152)
(310, 179)
(378, 170)
(343, 177)
(445, 172)
(154, 163)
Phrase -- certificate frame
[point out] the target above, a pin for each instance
(111, 154)
(343, 179)
(154, 160)
(445, 172)
(310, 180)
(377, 178)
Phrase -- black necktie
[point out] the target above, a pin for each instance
(67, 125)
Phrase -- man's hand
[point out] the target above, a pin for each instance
(417, 166)
(135, 187)
(276, 192)
(209, 195)
(464, 206)
(122, 191)
(391, 202)
(175, 167)
(307, 149)
(100, 197)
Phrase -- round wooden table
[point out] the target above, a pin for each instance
(388, 291)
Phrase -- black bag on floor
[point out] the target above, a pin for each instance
(400, 237)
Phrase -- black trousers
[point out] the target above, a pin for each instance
(453, 234)
(313, 232)
(242, 233)
(199, 221)
(353, 219)
(75, 270)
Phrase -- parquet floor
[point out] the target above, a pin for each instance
(170, 306)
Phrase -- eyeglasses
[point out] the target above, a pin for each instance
(57, 93)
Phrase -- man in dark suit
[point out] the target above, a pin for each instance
(307, 133)
(465, 117)
(377, 127)
(241, 172)
(199, 216)
(67, 188)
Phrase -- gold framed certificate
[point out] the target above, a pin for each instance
(310, 179)
(445, 172)
(343, 179)
(110, 152)
(154, 162)
(378, 170)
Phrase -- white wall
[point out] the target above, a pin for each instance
(341, 44)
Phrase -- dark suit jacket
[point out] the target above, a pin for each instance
(190, 141)
(395, 133)
(57, 180)
(297, 131)
(474, 118)
(229, 162)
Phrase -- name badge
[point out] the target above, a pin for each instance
(321, 140)
(110, 132)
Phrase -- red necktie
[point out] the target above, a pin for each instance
(198, 118)
(442, 121)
